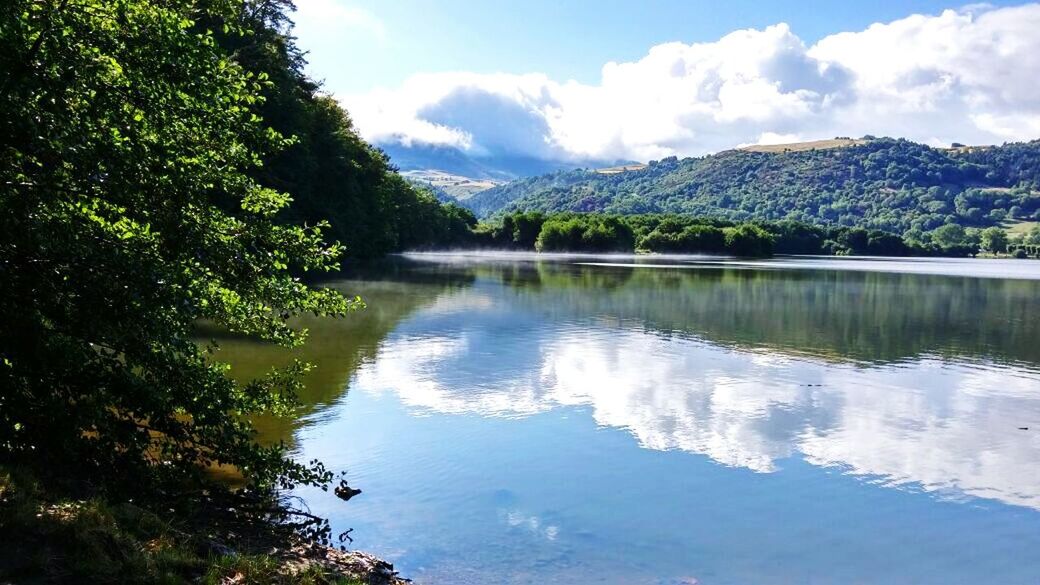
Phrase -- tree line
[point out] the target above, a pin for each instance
(670, 233)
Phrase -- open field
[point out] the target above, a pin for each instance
(966, 149)
(457, 186)
(801, 146)
(1015, 228)
(621, 169)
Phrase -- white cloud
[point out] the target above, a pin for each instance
(966, 76)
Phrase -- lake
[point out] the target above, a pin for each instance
(518, 418)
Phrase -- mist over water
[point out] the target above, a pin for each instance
(576, 419)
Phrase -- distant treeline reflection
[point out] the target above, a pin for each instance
(856, 317)
(844, 315)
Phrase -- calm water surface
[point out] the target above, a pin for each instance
(674, 420)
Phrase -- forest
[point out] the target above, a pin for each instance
(880, 183)
(168, 170)
(684, 234)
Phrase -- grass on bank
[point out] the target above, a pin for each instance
(46, 540)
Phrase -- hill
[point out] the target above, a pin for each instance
(881, 183)
(449, 187)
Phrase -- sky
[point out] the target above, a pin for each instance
(637, 80)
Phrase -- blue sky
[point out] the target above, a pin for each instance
(612, 79)
(565, 39)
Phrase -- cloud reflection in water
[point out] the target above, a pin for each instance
(951, 428)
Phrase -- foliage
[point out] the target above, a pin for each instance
(331, 172)
(523, 228)
(424, 222)
(130, 212)
(748, 240)
(673, 237)
(669, 233)
(591, 232)
(993, 240)
(882, 184)
(584, 233)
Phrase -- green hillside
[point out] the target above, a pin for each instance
(880, 183)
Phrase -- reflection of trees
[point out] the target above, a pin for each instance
(846, 315)
(515, 338)
(337, 347)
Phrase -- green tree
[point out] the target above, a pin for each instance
(585, 233)
(332, 173)
(994, 240)
(748, 240)
(949, 235)
(526, 228)
(954, 240)
(129, 213)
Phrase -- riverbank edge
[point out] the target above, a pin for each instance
(47, 539)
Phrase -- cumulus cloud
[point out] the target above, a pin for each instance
(964, 75)
(483, 114)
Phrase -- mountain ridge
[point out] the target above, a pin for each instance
(883, 183)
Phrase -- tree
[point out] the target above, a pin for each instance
(748, 240)
(953, 240)
(854, 240)
(332, 173)
(692, 238)
(129, 213)
(949, 235)
(526, 228)
(586, 233)
(994, 240)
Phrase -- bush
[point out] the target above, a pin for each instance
(689, 239)
(585, 233)
(748, 240)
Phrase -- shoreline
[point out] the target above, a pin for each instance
(47, 537)
(344, 564)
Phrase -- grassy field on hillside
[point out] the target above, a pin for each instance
(1015, 228)
(802, 146)
(621, 169)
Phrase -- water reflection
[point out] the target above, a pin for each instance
(565, 422)
(836, 314)
(948, 429)
(336, 347)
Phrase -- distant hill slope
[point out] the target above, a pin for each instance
(448, 186)
(875, 182)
